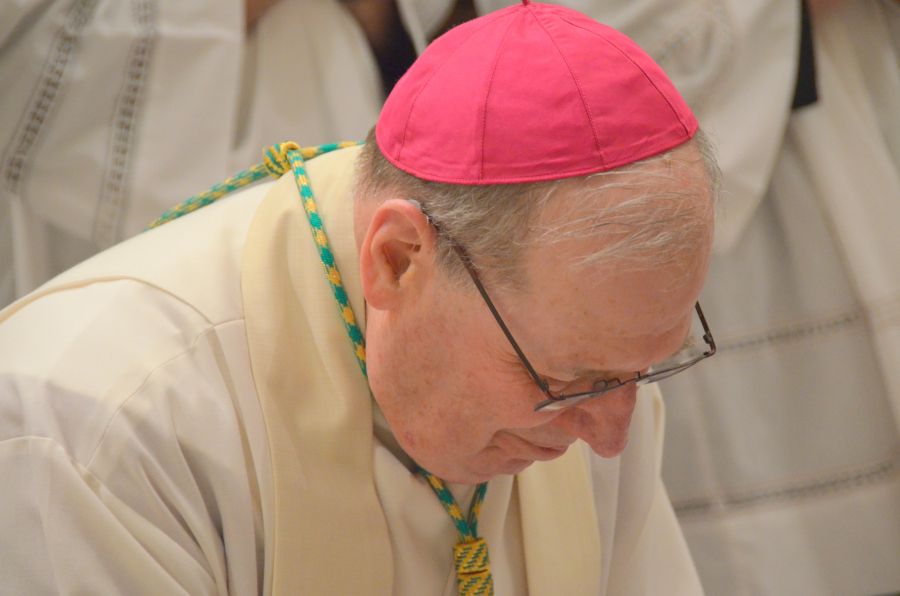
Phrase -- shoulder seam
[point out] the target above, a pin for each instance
(143, 384)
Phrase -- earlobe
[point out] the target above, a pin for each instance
(396, 251)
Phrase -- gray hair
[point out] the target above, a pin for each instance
(495, 223)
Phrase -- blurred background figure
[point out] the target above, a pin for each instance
(782, 455)
(111, 112)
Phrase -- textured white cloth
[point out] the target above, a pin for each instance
(132, 424)
(785, 451)
(113, 112)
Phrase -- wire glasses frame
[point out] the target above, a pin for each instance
(602, 386)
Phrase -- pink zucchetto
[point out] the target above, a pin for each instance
(532, 92)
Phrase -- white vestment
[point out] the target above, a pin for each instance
(113, 112)
(150, 420)
(783, 450)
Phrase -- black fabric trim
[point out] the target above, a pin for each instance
(396, 58)
(805, 91)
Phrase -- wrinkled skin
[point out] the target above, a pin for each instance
(453, 391)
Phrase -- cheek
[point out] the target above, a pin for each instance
(425, 380)
(447, 388)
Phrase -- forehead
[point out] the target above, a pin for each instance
(621, 288)
(618, 321)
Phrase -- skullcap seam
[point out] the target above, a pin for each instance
(584, 102)
(488, 95)
(638, 66)
(430, 77)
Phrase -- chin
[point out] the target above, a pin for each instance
(517, 465)
(482, 467)
(491, 470)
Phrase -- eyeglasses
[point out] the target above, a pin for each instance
(672, 366)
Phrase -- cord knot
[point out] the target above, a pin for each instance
(473, 572)
(276, 157)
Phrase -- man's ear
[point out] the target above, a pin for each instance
(396, 253)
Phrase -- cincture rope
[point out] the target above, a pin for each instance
(473, 573)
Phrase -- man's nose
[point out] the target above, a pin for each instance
(602, 422)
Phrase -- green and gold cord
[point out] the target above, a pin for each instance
(470, 554)
(473, 573)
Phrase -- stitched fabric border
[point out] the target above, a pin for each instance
(790, 333)
(881, 313)
(123, 135)
(47, 92)
(841, 482)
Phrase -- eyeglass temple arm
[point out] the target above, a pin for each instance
(707, 334)
(474, 275)
(470, 268)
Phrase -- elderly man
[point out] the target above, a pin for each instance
(195, 411)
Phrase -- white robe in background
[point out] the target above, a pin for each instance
(150, 419)
(783, 450)
(113, 112)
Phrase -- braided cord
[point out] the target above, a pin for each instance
(470, 554)
(277, 160)
(473, 573)
(275, 163)
(331, 272)
(218, 191)
(466, 527)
